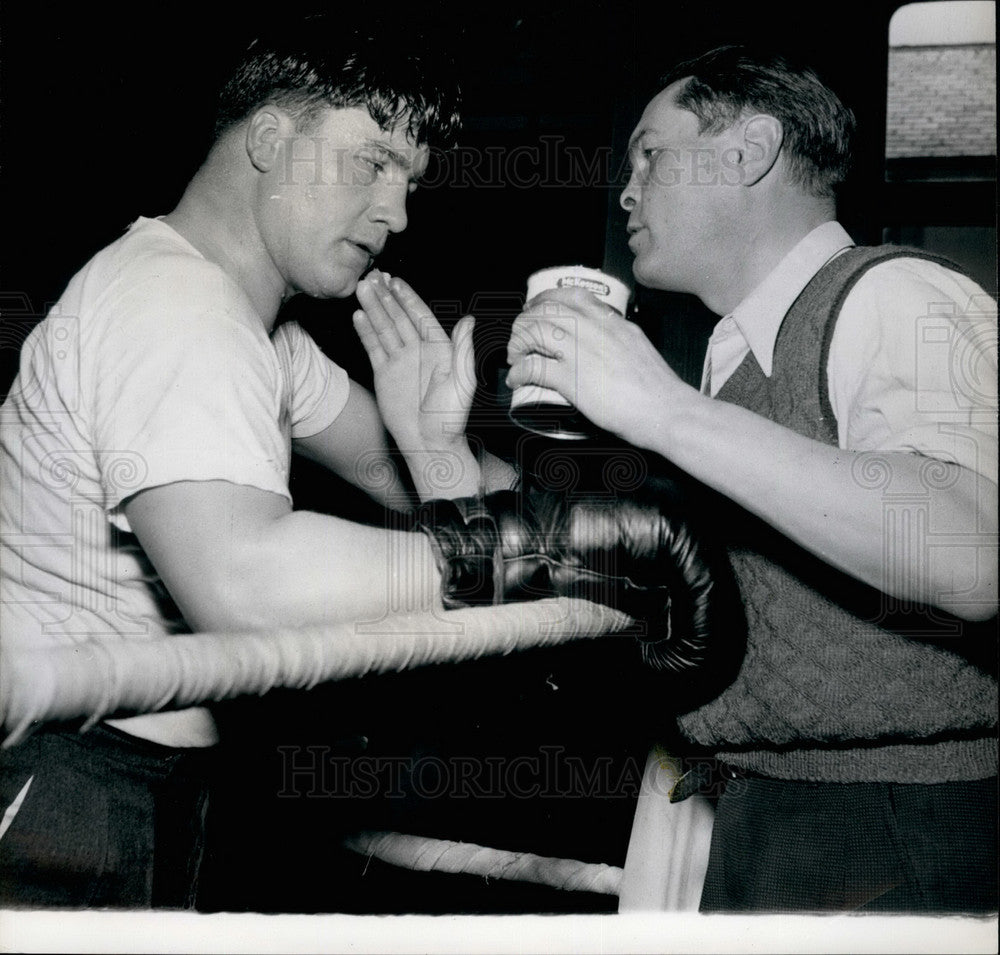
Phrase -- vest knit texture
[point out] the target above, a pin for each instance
(840, 682)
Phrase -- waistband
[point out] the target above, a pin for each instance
(133, 754)
(928, 761)
(712, 777)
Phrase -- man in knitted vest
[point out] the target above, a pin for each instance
(847, 423)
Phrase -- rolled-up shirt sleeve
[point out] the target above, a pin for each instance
(913, 365)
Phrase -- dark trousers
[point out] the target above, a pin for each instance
(107, 820)
(784, 846)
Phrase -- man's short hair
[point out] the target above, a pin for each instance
(733, 81)
(319, 62)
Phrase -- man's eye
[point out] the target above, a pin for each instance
(374, 162)
(644, 158)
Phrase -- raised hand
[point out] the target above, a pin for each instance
(424, 380)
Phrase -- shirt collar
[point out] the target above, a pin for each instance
(760, 314)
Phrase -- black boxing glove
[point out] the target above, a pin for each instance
(639, 553)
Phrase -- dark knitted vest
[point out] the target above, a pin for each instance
(840, 683)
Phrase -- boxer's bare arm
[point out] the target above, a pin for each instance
(356, 446)
(234, 557)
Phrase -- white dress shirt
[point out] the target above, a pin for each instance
(913, 360)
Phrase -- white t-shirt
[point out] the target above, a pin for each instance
(152, 368)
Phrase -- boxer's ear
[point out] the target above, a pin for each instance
(264, 137)
(762, 138)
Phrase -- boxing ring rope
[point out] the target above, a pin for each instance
(98, 679)
(424, 854)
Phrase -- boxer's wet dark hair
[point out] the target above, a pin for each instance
(733, 81)
(320, 62)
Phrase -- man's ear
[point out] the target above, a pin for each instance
(263, 139)
(762, 139)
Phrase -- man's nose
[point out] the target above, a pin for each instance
(391, 209)
(629, 196)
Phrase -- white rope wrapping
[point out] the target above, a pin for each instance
(424, 854)
(100, 678)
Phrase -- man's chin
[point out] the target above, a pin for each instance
(659, 274)
(344, 292)
(348, 283)
(343, 286)
(647, 276)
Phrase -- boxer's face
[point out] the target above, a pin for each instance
(334, 193)
(678, 197)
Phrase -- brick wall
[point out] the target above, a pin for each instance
(942, 101)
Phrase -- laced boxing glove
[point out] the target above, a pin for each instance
(639, 553)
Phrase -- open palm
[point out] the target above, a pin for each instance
(424, 380)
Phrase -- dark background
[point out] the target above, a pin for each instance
(106, 112)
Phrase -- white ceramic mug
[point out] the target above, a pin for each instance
(543, 410)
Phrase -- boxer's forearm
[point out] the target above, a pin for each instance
(443, 472)
(355, 446)
(461, 471)
(235, 558)
(310, 568)
(497, 474)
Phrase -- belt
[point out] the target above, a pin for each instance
(707, 776)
